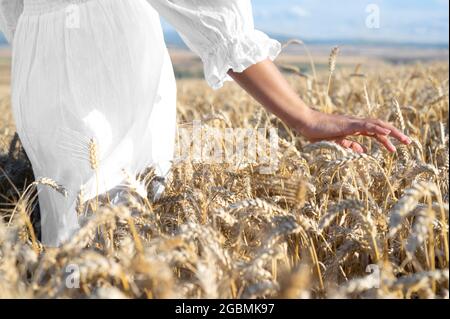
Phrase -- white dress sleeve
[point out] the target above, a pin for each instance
(221, 33)
(10, 11)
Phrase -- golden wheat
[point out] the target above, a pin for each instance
(309, 229)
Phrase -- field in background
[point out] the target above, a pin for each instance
(187, 65)
(328, 223)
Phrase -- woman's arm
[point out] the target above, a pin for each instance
(266, 84)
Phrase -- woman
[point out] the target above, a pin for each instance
(93, 90)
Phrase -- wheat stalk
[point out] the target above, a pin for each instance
(332, 66)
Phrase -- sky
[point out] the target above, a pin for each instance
(421, 21)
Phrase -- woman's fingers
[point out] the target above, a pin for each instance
(343, 126)
(395, 133)
(383, 139)
(381, 131)
(351, 145)
(386, 142)
(367, 128)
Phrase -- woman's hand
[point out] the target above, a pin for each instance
(267, 85)
(317, 126)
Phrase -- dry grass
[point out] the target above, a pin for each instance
(312, 229)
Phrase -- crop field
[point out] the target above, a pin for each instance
(325, 223)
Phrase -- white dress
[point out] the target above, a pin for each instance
(99, 70)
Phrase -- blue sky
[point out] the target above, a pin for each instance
(423, 21)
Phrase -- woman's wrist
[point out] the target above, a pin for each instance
(302, 117)
(266, 84)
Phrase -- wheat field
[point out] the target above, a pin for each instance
(328, 223)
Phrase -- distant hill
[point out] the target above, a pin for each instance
(173, 40)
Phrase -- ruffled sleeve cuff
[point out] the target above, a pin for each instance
(237, 54)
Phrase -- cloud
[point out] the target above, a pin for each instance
(299, 11)
(401, 20)
(443, 3)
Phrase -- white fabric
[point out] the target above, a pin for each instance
(99, 69)
(221, 32)
(10, 11)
